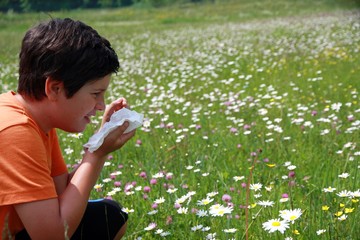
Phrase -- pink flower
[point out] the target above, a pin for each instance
(233, 130)
(147, 189)
(143, 175)
(226, 198)
(292, 183)
(351, 118)
(169, 220)
(284, 195)
(153, 181)
(246, 127)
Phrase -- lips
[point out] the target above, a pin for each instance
(89, 115)
(88, 118)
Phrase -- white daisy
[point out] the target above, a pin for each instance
(255, 186)
(127, 210)
(344, 193)
(159, 231)
(164, 234)
(219, 210)
(342, 217)
(205, 201)
(276, 225)
(329, 189)
(201, 213)
(160, 200)
(230, 230)
(182, 210)
(212, 194)
(291, 215)
(321, 231)
(151, 226)
(158, 175)
(197, 227)
(238, 178)
(344, 175)
(266, 203)
(172, 190)
(356, 194)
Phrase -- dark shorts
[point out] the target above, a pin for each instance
(103, 219)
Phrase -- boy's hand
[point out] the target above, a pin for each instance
(117, 138)
(113, 107)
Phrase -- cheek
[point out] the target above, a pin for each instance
(78, 106)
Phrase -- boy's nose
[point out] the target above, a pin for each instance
(100, 106)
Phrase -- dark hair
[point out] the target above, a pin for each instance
(65, 50)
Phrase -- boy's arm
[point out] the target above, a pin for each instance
(49, 219)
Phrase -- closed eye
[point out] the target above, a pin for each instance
(96, 94)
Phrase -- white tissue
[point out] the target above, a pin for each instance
(117, 119)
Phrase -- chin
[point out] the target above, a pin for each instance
(74, 129)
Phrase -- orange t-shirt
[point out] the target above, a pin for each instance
(29, 159)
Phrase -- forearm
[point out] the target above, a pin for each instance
(73, 201)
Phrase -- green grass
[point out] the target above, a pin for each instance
(239, 89)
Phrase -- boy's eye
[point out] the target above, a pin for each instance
(96, 94)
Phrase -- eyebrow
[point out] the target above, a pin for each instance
(100, 89)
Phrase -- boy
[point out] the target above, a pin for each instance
(65, 69)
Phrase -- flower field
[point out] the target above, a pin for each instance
(251, 131)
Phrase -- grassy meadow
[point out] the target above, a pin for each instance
(252, 117)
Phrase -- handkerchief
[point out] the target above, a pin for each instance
(117, 119)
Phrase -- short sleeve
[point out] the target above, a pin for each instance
(25, 167)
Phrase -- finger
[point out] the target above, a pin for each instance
(113, 107)
(124, 126)
(117, 105)
(127, 136)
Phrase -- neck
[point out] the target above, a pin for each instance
(38, 112)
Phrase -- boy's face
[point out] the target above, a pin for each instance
(75, 112)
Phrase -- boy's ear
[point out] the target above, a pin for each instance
(53, 88)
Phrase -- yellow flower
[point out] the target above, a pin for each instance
(271, 165)
(355, 200)
(342, 205)
(296, 232)
(349, 210)
(253, 205)
(325, 208)
(338, 214)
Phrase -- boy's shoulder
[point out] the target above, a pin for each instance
(11, 113)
